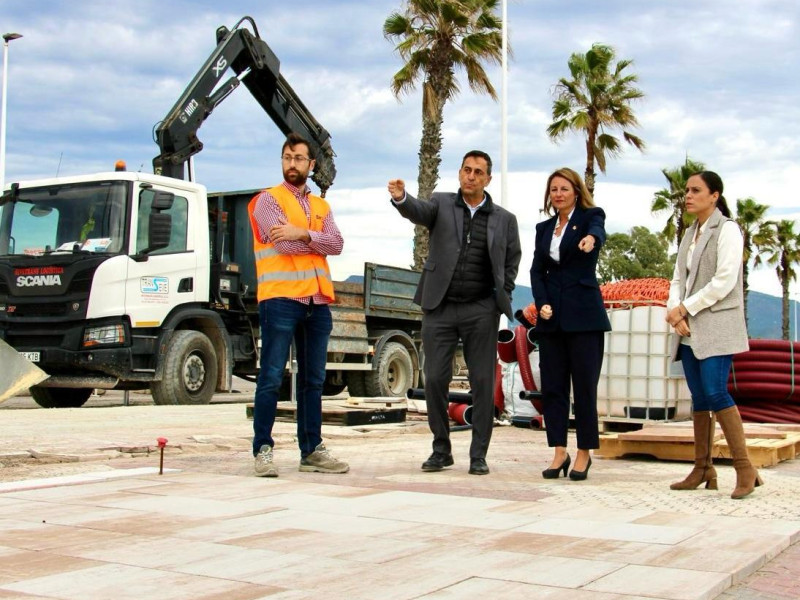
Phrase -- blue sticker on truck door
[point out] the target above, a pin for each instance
(154, 289)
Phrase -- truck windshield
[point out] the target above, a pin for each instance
(77, 218)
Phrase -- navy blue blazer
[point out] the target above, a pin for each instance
(570, 286)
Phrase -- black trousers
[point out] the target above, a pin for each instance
(476, 324)
(564, 358)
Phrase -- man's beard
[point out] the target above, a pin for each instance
(296, 178)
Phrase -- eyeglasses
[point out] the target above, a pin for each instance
(300, 160)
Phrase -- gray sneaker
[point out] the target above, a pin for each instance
(264, 466)
(320, 461)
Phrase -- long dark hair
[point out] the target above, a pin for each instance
(714, 183)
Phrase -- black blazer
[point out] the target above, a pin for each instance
(570, 286)
(445, 221)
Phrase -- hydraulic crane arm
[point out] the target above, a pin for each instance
(257, 66)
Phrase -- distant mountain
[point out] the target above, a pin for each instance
(764, 316)
(763, 310)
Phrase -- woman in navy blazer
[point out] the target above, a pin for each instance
(572, 319)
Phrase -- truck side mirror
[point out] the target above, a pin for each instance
(162, 200)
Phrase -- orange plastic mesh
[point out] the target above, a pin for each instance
(628, 293)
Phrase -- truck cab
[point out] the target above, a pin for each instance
(93, 269)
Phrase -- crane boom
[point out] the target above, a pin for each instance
(258, 68)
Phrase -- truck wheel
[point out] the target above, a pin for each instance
(332, 389)
(190, 370)
(356, 384)
(60, 397)
(395, 372)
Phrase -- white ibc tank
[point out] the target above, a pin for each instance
(639, 380)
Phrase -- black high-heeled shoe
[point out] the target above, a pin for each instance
(580, 475)
(554, 473)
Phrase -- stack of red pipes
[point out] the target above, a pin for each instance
(765, 382)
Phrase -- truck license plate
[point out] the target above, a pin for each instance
(31, 356)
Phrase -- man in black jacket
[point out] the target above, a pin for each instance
(466, 284)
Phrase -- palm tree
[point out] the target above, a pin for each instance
(750, 217)
(596, 99)
(436, 37)
(780, 247)
(674, 199)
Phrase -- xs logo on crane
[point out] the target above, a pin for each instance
(221, 65)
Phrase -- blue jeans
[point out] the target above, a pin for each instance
(310, 326)
(707, 380)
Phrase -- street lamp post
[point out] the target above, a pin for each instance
(7, 37)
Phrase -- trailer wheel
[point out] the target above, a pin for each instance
(60, 397)
(190, 370)
(356, 384)
(395, 372)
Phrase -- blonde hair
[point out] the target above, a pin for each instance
(583, 197)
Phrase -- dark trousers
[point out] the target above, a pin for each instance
(574, 357)
(475, 323)
(310, 326)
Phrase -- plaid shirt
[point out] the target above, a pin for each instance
(327, 242)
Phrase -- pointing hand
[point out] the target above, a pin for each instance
(397, 189)
(586, 244)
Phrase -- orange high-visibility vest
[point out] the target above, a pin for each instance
(291, 275)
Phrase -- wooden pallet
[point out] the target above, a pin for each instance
(340, 413)
(766, 446)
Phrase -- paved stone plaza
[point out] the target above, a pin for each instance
(90, 517)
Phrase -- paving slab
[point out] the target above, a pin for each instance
(206, 528)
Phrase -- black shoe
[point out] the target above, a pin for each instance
(437, 461)
(554, 473)
(478, 466)
(580, 475)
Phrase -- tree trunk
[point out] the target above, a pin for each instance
(429, 161)
(785, 302)
(589, 173)
(746, 274)
(430, 149)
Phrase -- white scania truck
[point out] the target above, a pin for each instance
(125, 280)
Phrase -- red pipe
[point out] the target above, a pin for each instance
(763, 377)
(506, 348)
(521, 340)
(460, 413)
(771, 415)
(768, 355)
(531, 337)
(759, 344)
(524, 347)
(772, 391)
(499, 397)
(766, 381)
(762, 366)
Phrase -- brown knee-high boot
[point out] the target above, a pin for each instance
(747, 478)
(703, 444)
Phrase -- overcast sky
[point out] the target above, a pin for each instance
(90, 79)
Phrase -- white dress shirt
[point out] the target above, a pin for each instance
(555, 241)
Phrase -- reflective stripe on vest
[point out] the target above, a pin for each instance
(291, 275)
